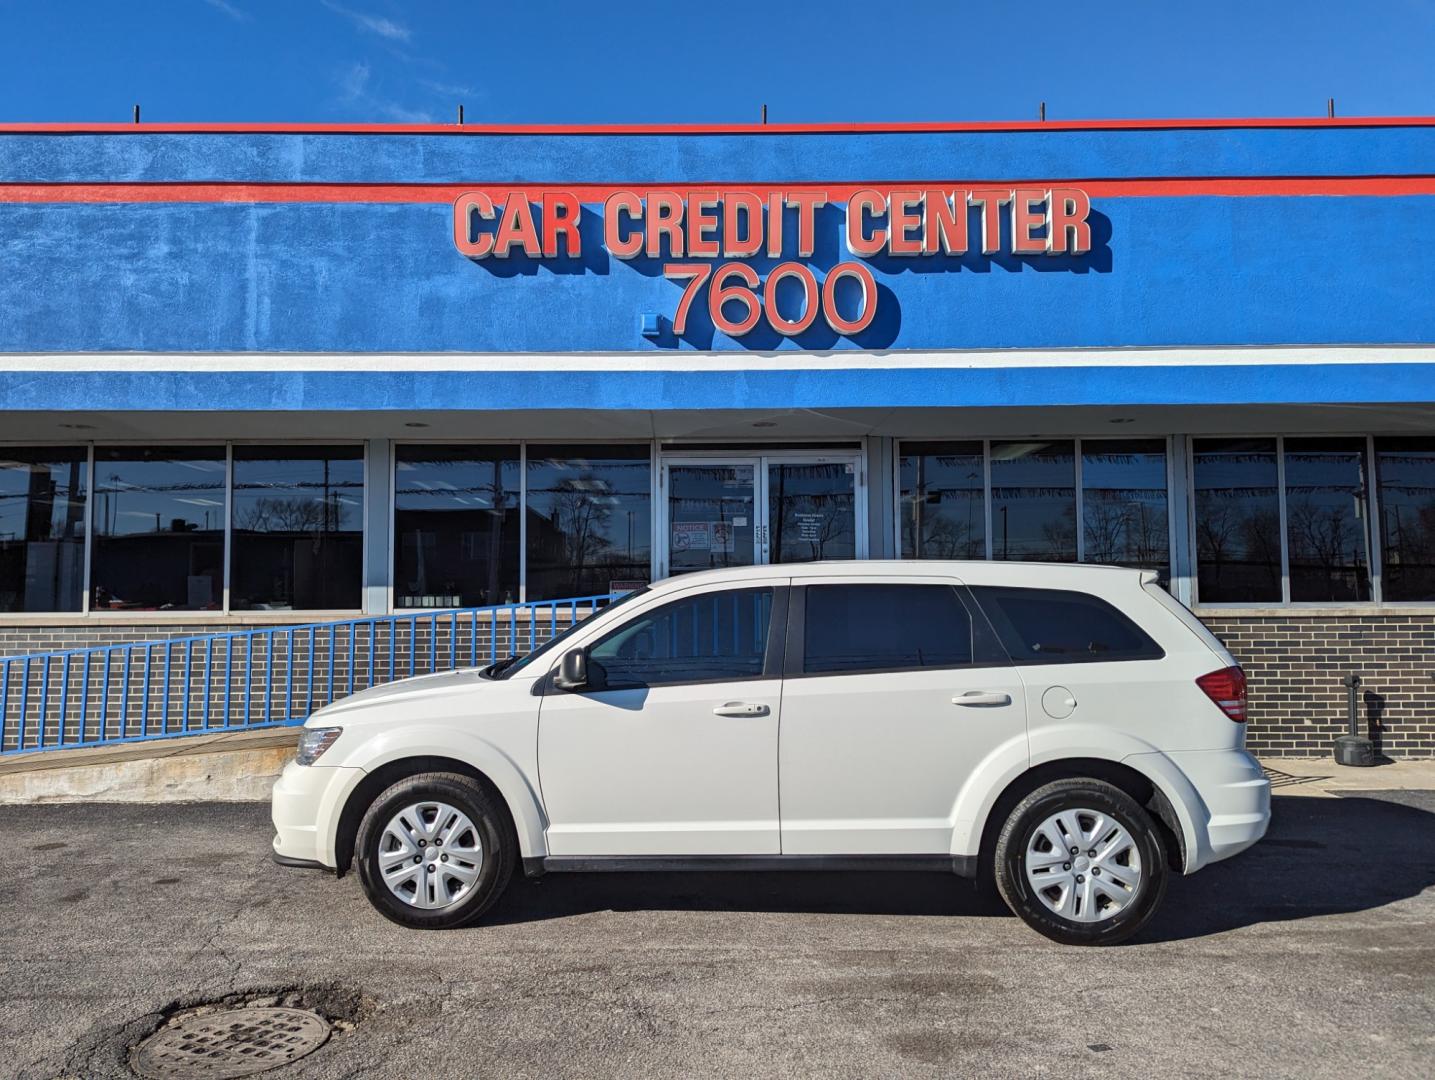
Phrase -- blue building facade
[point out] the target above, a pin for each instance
(254, 375)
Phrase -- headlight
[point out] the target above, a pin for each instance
(314, 741)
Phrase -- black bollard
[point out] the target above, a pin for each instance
(1353, 748)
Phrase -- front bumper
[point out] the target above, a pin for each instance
(304, 805)
(1221, 796)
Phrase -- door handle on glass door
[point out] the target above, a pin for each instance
(740, 708)
(982, 697)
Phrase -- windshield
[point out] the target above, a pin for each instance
(507, 668)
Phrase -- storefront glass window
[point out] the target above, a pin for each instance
(456, 535)
(298, 528)
(1034, 500)
(1123, 503)
(158, 529)
(42, 528)
(943, 513)
(1405, 469)
(589, 519)
(1238, 536)
(1326, 518)
(812, 511)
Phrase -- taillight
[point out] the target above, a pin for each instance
(1227, 688)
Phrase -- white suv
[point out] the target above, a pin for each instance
(1071, 731)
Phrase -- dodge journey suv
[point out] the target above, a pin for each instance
(1070, 733)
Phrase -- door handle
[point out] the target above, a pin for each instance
(982, 697)
(740, 708)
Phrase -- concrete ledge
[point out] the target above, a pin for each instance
(239, 766)
(1322, 777)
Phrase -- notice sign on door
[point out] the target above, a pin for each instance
(692, 536)
(702, 536)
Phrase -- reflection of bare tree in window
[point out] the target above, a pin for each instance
(284, 515)
(949, 538)
(1060, 534)
(1123, 529)
(1321, 536)
(582, 521)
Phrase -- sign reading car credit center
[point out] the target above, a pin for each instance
(734, 225)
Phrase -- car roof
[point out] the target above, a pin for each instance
(988, 571)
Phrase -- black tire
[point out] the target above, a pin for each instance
(1016, 837)
(491, 824)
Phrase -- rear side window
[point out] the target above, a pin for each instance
(1056, 626)
(854, 628)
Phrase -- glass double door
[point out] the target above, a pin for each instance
(746, 510)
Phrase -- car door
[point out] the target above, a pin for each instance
(672, 748)
(896, 694)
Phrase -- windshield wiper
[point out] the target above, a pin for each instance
(493, 671)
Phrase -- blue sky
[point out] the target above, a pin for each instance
(613, 60)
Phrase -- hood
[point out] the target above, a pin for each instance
(417, 686)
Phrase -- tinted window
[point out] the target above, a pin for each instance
(1052, 626)
(943, 488)
(714, 636)
(456, 525)
(1326, 512)
(298, 539)
(852, 628)
(1034, 500)
(1238, 521)
(589, 519)
(1123, 485)
(42, 528)
(1406, 468)
(159, 528)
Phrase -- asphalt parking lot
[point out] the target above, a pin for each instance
(1312, 955)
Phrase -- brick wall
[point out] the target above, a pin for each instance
(1295, 662)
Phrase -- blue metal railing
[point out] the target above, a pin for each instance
(265, 677)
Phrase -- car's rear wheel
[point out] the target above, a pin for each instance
(435, 851)
(1080, 861)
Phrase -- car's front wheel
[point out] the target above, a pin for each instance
(434, 851)
(1080, 861)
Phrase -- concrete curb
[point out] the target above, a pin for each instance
(230, 767)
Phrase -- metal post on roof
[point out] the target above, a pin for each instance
(1043, 112)
(137, 114)
(460, 116)
(1330, 108)
(764, 113)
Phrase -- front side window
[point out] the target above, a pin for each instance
(456, 526)
(1058, 626)
(1405, 470)
(298, 539)
(42, 528)
(849, 629)
(1238, 532)
(716, 636)
(158, 529)
(1034, 500)
(589, 519)
(943, 488)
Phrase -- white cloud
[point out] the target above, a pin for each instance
(448, 89)
(228, 9)
(353, 84)
(374, 24)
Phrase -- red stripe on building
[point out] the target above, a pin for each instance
(594, 193)
(841, 128)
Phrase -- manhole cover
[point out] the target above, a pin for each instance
(229, 1043)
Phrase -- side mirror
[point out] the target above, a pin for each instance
(572, 670)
